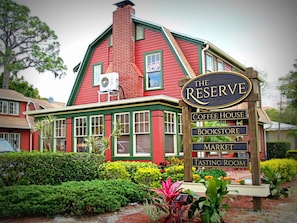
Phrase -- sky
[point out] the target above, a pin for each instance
(258, 33)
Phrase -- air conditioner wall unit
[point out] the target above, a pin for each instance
(109, 82)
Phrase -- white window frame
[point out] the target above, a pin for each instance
(180, 133)
(209, 63)
(13, 108)
(141, 127)
(3, 107)
(153, 66)
(97, 71)
(124, 120)
(13, 138)
(220, 66)
(80, 133)
(60, 135)
(170, 130)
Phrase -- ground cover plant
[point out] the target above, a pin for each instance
(71, 198)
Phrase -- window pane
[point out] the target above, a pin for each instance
(220, 65)
(142, 143)
(97, 125)
(123, 145)
(96, 74)
(169, 144)
(209, 62)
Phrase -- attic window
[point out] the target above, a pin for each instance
(153, 70)
(139, 33)
(97, 70)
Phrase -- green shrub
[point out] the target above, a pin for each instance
(115, 170)
(70, 198)
(277, 149)
(212, 172)
(287, 168)
(291, 154)
(149, 176)
(48, 168)
(133, 166)
(274, 179)
(175, 172)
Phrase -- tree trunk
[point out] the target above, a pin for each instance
(6, 75)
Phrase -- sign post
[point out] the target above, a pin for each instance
(215, 91)
(253, 132)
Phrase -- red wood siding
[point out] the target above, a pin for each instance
(87, 93)
(25, 139)
(191, 52)
(23, 106)
(172, 72)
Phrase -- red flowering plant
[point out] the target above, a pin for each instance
(169, 199)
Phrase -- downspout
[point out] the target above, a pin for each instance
(203, 57)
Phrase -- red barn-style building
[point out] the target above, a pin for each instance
(15, 125)
(130, 75)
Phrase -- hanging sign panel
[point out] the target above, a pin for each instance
(216, 90)
(219, 146)
(218, 115)
(221, 162)
(217, 131)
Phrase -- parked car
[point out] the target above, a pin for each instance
(6, 147)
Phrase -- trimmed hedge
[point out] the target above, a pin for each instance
(48, 168)
(277, 149)
(70, 198)
(287, 168)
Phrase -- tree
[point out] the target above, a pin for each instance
(22, 86)
(273, 114)
(288, 86)
(26, 41)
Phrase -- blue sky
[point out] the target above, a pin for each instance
(258, 33)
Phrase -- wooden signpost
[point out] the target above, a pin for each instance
(219, 90)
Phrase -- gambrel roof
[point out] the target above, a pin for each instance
(170, 37)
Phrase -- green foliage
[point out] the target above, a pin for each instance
(273, 114)
(287, 168)
(291, 154)
(175, 172)
(22, 86)
(152, 211)
(114, 170)
(71, 198)
(48, 168)
(28, 42)
(277, 149)
(274, 179)
(133, 166)
(165, 198)
(211, 206)
(149, 176)
(216, 173)
(289, 86)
